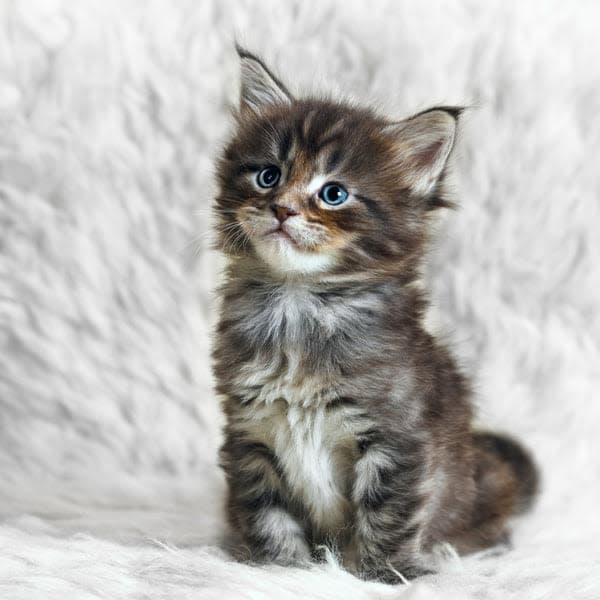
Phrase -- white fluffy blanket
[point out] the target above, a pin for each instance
(110, 116)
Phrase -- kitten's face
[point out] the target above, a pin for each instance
(313, 188)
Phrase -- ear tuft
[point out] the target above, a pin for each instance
(423, 144)
(260, 89)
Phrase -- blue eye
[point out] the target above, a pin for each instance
(268, 177)
(333, 194)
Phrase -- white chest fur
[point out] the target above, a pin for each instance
(290, 383)
(284, 403)
(314, 448)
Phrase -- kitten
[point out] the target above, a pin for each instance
(348, 425)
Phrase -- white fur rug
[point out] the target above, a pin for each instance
(110, 116)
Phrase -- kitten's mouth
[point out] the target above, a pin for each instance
(280, 233)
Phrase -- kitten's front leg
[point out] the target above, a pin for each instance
(387, 497)
(256, 504)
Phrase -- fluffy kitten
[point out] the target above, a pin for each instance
(348, 425)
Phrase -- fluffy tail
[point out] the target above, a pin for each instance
(506, 471)
(506, 482)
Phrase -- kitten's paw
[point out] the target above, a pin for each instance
(291, 552)
(279, 539)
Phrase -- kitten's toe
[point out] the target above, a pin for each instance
(292, 554)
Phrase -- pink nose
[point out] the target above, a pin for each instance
(282, 212)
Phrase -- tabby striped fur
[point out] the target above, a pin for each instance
(348, 425)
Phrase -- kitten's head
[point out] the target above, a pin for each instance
(315, 188)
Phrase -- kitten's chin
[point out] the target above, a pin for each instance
(286, 259)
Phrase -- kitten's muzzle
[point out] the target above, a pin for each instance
(282, 233)
(282, 213)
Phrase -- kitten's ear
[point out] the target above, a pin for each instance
(260, 89)
(422, 144)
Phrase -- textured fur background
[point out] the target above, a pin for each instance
(110, 116)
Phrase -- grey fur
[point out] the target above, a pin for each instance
(347, 423)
